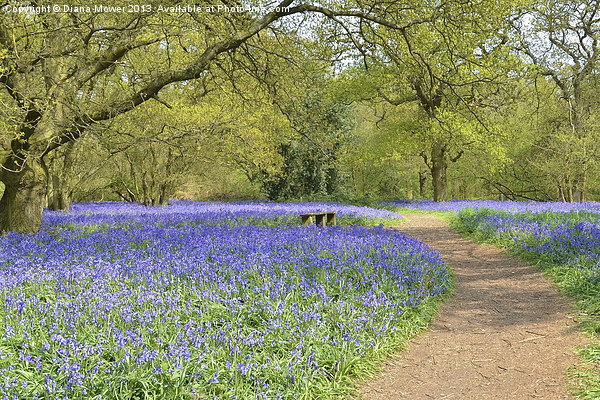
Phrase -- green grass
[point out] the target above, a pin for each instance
(406, 210)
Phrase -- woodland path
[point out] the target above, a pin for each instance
(505, 333)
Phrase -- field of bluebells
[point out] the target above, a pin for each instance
(510, 206)
(206, 300)
(553, 232)
(211, 213)
(565, 238)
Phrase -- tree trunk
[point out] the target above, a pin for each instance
(59, 197)
(439, 161)
(569, 192)
(561, 194)
(579, 186)
(583, 185)
(163, 199)
(423, 173)
(60, 193)
(22, 203)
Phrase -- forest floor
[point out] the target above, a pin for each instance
(505, 333)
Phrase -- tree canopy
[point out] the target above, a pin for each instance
(360, 99)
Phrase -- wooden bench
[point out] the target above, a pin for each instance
(320, 218)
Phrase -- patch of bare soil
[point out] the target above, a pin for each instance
(506, 332)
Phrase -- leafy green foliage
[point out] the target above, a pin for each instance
(310, 157)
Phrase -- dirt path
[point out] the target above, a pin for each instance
(505, 333)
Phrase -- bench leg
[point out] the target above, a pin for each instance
(320, 220)
(306, 219)
(330, 219)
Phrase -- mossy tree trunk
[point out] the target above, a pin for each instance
(439, 166)
(59, 192)
(24, 197)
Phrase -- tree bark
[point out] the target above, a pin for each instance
(423, 173)
(439, 161)
(561, 194)
(60, 190)
(579, 184)
(569, 192)
(59, 196)
(583, 185)
(163, 199)
(22, 203)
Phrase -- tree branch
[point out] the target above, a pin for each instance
(402, 100)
